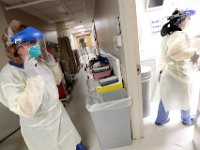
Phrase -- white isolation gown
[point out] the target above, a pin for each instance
(177, 87)
(45, 124)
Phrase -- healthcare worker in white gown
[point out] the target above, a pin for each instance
(176, 85)
(28, 88)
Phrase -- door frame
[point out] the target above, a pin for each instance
(128, 19)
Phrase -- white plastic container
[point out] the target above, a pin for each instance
(110, 114)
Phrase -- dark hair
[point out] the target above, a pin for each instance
(172, 25)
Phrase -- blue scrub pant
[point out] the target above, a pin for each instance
(162, 116)
(80, 147)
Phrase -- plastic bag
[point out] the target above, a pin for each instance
(107, 101)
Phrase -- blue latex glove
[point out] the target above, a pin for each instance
(80, 147)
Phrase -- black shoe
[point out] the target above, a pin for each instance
(160, 124)
(191, 124)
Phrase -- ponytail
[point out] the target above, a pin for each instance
(169, 28)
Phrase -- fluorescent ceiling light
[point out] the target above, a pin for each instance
(78, 27)
(84, 33)
(81, 30)
(87, 32)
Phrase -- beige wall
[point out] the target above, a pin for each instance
(51, 36)
(9, 122)
(105, 14)
(3, 24)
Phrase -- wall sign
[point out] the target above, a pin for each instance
(156, 26)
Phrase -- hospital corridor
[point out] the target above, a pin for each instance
(99, 75)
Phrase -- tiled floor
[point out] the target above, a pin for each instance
(172, 136)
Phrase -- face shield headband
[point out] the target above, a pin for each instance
(180, 17)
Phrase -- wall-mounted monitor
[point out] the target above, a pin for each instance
(154, 4)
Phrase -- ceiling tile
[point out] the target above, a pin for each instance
(26, 1)
(52, 10)
(11, 2)
(58, 15)
(44, 5)
(37, 13)
(76, 4)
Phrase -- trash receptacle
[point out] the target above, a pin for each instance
(146, 75)
(110, 113)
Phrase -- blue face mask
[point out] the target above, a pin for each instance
(35, 51)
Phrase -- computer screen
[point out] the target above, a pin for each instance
(154, 4)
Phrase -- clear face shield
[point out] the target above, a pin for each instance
(43, 48)
(32, 40)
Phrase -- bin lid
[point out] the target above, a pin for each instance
(146, 72)
(107, 101)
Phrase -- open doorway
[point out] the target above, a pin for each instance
(150, 23)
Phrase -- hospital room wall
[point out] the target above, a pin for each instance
(51, 36)
(9, 122)
(4, 23)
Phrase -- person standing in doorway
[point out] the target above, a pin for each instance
(82, 43)
(176, 87)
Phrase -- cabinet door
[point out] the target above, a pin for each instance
(9, 122)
